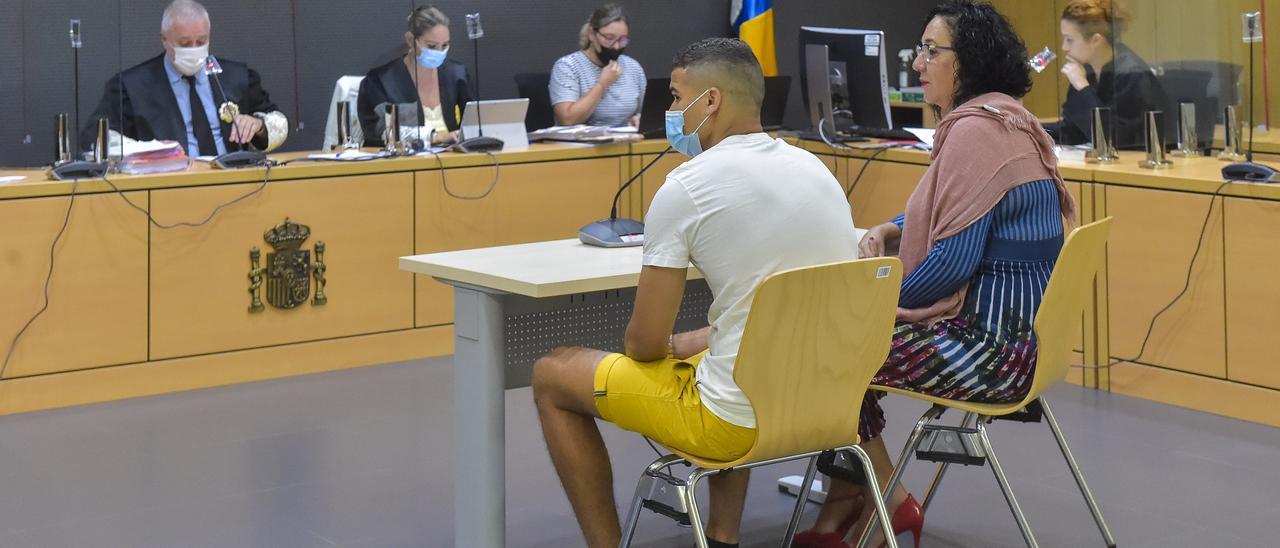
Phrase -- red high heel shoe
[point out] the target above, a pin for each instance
(908, 517)
(834, 539)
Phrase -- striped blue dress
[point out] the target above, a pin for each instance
(987, 352)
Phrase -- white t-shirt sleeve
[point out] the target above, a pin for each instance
(564, 86)
(669, 227)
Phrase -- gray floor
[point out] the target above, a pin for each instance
(363, 458)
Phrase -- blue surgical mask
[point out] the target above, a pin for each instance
(430, 58)
(686, 143)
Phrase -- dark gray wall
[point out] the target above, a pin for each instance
(302, 46)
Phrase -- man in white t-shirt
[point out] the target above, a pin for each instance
(747, 207)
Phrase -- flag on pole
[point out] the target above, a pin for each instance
(752, 20)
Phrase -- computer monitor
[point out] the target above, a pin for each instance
(849, 86)
(653, 110)
(774, 108)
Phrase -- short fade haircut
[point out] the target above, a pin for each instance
(728, 63)
(182, 10)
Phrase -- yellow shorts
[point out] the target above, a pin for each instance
(658, 399)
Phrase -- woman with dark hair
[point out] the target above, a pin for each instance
(1104, 73)
(423, 75)
(597, 84)
(978, 242)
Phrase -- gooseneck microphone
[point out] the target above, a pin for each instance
(66, 166)
(1248, 170)
(479, 143)
(615, 232)
(241, 157)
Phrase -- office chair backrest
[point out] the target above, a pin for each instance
(1056, 322)
(814, 338)
(534, 86)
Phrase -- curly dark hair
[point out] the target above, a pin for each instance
(991, 57)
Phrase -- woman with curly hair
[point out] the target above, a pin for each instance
(978, 242)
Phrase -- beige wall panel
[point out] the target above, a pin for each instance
(531, 202)
(224, 368)
(1226, 398)
(199, 291)
(1253, 296)
(98, 294)
(551, 201)
(1152, 241)
(882, 192)
(652, 180)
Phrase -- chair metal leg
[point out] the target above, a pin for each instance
(942, 469)
(873, 484)
(644, 487)
(1075, 473)
(691, 500)
(794, 524)
(903, 459)
(1004, 487)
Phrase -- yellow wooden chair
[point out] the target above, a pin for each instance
(1081, 256)
(814, 339)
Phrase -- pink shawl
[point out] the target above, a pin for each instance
(982, 150)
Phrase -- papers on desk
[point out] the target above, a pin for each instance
(345, 156)
(12, 179)
(1071, 153)
(143, 157)
(584, 134)
(924, 135)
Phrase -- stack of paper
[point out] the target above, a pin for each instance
(142, 157)
(583, 134)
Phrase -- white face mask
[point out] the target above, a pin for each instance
(189, 61)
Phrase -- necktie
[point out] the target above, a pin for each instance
(200, 120)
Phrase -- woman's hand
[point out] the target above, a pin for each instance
(444, 138)
(610, 74)
(878, 239)
(1075, 74)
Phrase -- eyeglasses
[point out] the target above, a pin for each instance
(930, 51)
(609, 40)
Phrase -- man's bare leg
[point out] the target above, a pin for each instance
(728, 496)
(562, 391)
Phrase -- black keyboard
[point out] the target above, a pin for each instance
(881, 133)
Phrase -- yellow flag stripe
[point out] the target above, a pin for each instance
(758, 33)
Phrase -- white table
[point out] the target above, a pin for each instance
(511, 305)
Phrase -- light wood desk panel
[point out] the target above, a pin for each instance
(882, 192)
(530, 203)
(199, 283)
(97, 313)
(1252, 290)
(653, 179)
(1152, 241)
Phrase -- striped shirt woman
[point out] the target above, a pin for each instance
(987, 352)
(574, 75)
(598, 85)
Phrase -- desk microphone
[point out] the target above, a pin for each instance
(65, 165)
(615, 232)
(480, 143)
(1248, 170)
(227, 112)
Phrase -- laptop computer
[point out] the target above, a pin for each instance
(653, 111)
(657, 99)
(502, 118)
(774, 108)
